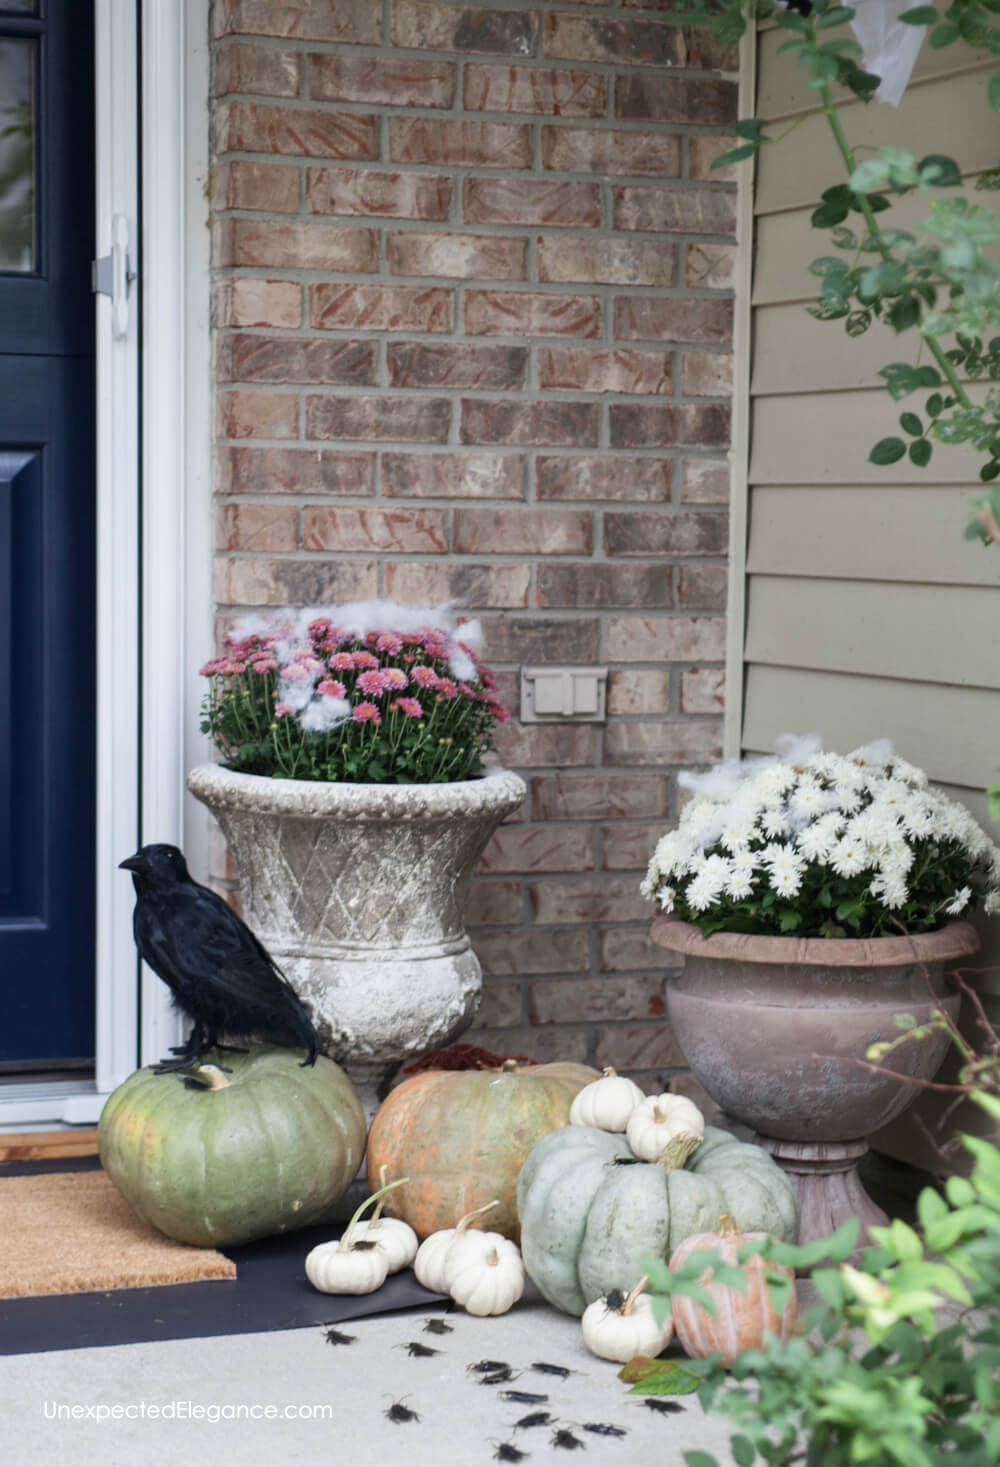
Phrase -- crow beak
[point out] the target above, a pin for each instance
(133, 863)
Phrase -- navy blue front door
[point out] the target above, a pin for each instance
(47, 566)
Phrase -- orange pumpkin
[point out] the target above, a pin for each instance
(461, 1137)
(741, 1320)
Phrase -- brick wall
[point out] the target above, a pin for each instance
(473, 326)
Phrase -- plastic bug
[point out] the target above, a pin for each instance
(623, 1161)
(601, 1428)
(437, 1327)
(665, 1408)
(494, 1377)
(545, 1369)
(563, 1438)
(507, 1452)
(414, 1347)
(398, 1412)
(523, 1398)
(535, 1418)
(338, 1337)
(487, 1367)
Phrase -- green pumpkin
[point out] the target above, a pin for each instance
(587, 1220)
(270, 1149)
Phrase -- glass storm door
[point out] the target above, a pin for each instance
(47, 518)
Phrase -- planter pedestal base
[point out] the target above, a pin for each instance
(825, 1174)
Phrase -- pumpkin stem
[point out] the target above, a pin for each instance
(633, 1294)
(492, 1259)
(609, 1072)
(344, 1245)
(382, 1171)
(677, 1151)
(213, 1077)
(464, 1222)
(509, 1067)
(728, 1227)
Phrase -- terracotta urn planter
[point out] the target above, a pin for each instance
(357, 891)
(773, 1027)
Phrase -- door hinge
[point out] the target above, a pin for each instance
(112, 276)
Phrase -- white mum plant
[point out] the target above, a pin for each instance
(822, 845)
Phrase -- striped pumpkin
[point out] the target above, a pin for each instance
(741, 1321)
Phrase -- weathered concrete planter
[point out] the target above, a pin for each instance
(357, 891)
(772, 1027)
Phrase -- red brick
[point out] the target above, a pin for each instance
(246, 358)
(688, 100)
(628, 847)
(500, 1004)
(674, 210)
(666, 639)
(623, 43)
(494, 904)
(660, 742)
(532, 201)
(555, 92)
(258, 582)
(544, 639)
(528, 848)
(414, 531)
(456, 365)
(271, 188)
(703, 149)
(540, 746)
(645, 479)
(601, 999)
(392, 81)
(531, 313)
(435, 27)
(397, 419)
(256, 302)
(590, 150)
(707, 374)
(258, 415)
(295, 471)
(502, 586)
(459, 144)
(587, 899)
(680, 532)
(453, 476)
(522, 532)
(267, 527)
(664, 426)
(710, 266)
(607, 261)
(605, 585)
(703, 587)
(703, 690)
(380, 307)
(704, 52)
(581, 369)
(460, 256)
(634, 690)
(656, 318)
(530, 424)
(705, 481)
(364, 192)
(251, 127)
(264, 70)
(628, 1047)
(535, 950)
(353, 22)
(597, 796)
(308, 244)
(631, 949)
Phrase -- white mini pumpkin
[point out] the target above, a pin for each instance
(352, 1265)
(429, 1262)
(606, 1103)
(393, 1235)
(619, 1329)
(658, 1121)
(484, 1272)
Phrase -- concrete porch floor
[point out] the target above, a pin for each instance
(461, 1421)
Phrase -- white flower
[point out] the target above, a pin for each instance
(815, 842)
(849, 857)
(666, 897)
(774, 820)
(959, 901)
(991, 904)
(785, 871)
(741, 882)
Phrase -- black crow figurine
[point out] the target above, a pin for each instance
(220, 974)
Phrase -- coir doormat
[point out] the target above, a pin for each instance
(270, 1292)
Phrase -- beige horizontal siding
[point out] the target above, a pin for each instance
(934, 634)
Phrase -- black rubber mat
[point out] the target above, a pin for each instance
(270, 1292)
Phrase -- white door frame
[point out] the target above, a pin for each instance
(154, 610)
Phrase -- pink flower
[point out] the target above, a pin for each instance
(466, 691)
(498, 710)
(342, 661)
(436, 649)
(284, 710)
(212, 668)
(365, 659)
(424, 677)
(332, 688)
(366, 713)
(395, 677)
(389, 642)
(373, 682)
(295, 672)
(410, 707)
(264, 664)
(448, 688)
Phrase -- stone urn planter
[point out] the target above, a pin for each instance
(773, 1027)
(357, 891)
